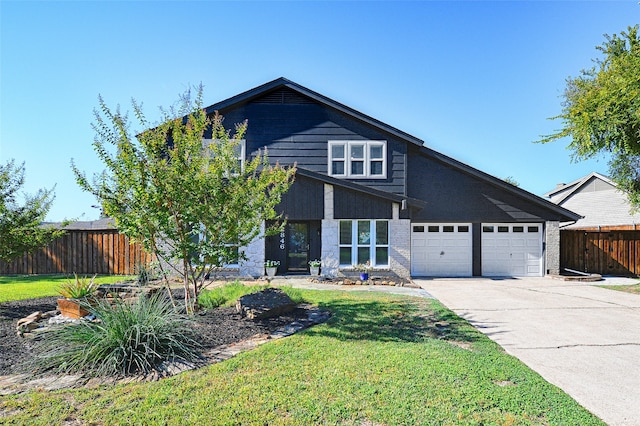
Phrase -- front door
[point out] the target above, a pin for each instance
(297, 246)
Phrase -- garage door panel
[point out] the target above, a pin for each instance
(419, 243)
(439, 253)
(514, 250)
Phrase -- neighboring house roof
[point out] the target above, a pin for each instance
(283, 82)
(564, 190)
(598, 199)
(106, 223)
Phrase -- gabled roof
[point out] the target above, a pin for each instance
(564, 191)
(599, 200)
(478, 174)
(282, 82)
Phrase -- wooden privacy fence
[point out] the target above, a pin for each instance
(83, 252)
(606, 252)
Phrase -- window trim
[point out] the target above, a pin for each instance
(348, 159)
(372, 245)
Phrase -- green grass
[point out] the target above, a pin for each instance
(20, 287)
(634, 289)
(226, 295)
(379, 360)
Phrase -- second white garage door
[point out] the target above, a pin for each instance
(512, 249)
(441, 249)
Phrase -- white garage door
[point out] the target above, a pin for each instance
(512, 249)
(441, 249)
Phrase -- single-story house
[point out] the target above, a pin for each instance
(606, 240)
(367, 191)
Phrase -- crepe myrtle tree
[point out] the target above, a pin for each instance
(191, 203)
(21, 229)
(601, 111)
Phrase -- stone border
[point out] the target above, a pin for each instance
(19, 383)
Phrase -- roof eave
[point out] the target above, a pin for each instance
(411, 202)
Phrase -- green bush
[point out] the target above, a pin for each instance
(128, 339)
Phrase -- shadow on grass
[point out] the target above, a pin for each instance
(393, 321)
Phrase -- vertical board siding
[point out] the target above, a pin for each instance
(607, 253)
(82, 252)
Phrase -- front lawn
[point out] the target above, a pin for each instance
(32, 286)
(634, 288)
(379, 360)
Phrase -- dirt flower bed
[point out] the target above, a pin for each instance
(216, 327)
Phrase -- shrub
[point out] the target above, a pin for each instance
(129, 338)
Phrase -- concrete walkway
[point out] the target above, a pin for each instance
(390, 289)
(582, 338)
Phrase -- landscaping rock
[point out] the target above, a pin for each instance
(267, 303)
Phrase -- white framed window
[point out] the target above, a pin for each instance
(358, 159)
(363, 241)
(240, 149)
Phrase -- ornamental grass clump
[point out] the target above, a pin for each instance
(126, 339)
(79, 288)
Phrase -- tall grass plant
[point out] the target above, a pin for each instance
(126, 339)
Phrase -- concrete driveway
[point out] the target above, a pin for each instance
(582, 338)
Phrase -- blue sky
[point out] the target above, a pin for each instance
(475, 80)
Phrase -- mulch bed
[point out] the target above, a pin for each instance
(216, 327)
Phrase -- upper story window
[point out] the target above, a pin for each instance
(240, 149)
(358, 159)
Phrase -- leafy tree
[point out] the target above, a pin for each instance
(190, 203)
(21, 229)
(601, 111)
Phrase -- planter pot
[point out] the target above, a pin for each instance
(314, 270)
(71, 308)
(364, 276)
(271, 271)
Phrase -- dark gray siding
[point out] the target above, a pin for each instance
(356, 205)
(455, 196)
(303, 201)
(298, 131)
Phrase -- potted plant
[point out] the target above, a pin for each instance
(77, 295)
(364, 269)
(271, 266)
(314, 267)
